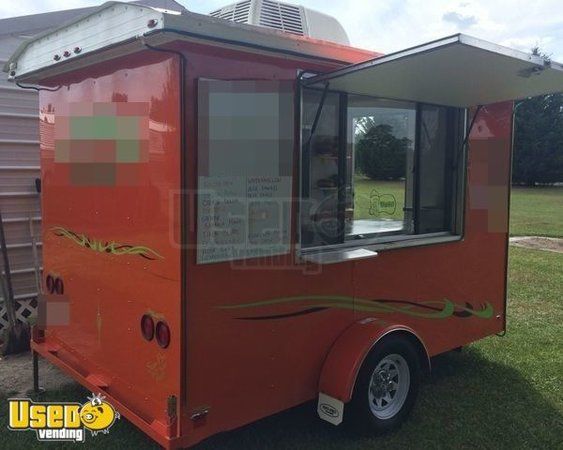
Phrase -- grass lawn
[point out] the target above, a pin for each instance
(537, 211)
(497, 393)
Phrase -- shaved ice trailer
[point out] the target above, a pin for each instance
(238, 220)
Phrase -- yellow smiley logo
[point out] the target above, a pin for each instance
(98, 415)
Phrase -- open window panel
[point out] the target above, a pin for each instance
(378, 170)
(383, 158)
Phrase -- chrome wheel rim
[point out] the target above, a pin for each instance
(389, 386)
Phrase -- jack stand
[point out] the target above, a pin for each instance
(36, 389)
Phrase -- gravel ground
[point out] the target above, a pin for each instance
(16, 375)
(538, 243)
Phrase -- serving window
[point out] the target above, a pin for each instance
(377, 170)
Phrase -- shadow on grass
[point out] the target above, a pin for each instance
(468, 402)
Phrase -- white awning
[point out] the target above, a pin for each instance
(457, 71)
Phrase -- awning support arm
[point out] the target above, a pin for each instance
(317, 116)
(466, 138)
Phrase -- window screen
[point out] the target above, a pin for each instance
(381, 140)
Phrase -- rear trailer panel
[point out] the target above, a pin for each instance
(110, 158)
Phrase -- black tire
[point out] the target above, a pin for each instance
(358, 415)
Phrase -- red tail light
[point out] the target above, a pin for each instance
(59, 287)
(50, 284)
(147, 327)
(162, 334)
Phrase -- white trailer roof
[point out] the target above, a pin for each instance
(101, 30)
(457, 71)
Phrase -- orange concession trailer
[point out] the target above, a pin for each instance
(238, 220)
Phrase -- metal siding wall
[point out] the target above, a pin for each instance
(19, 167)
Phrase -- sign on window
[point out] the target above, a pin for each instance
(245, 145)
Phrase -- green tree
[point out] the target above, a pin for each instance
(538, 140)
(379, 154)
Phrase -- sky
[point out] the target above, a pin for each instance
(390, 25)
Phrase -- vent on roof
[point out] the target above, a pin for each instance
(281, 16)
(237, 12)
(284, 17)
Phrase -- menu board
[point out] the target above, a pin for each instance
(245, 145)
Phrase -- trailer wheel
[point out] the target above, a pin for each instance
(386, 387)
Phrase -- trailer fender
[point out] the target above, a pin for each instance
(346, 356)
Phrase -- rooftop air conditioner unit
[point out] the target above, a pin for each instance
(285, 17)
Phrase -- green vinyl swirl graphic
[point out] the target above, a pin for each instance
(111, 247)
(438, 309)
